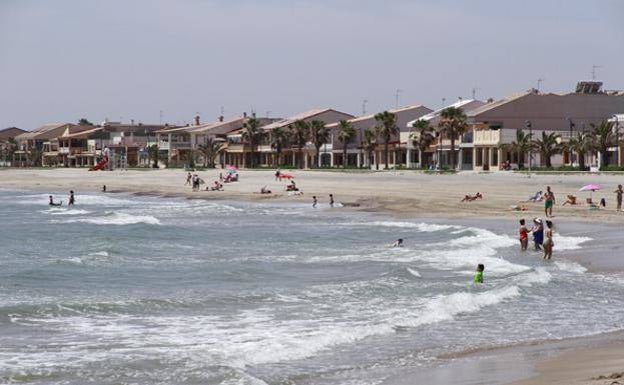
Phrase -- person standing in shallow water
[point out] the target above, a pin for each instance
(524, 236)
(538, 233)
(548, 242)
(71, 198)
(618, 197)
(331, 200)
(314, 201)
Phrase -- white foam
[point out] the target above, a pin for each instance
(117, 218)
(444, 308)
(570, 267)
(422, 227)
(60, 211)
(414, 272)
(568, 243)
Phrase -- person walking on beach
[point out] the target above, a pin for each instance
(189, 177)
(314, 201)
(331, 200)
(549, 201)
(548, 243)
(538, 233)
(71, 198)
(524, 236)
(618, 196)
(478, 277)
(278, 174)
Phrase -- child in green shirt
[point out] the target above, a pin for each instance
(478, 278)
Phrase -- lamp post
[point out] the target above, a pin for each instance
(617, 140)
(571, 125)
(529, 125)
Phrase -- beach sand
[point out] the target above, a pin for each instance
(409, 194)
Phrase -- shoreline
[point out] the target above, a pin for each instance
(530, 363)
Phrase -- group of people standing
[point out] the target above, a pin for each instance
(546, 245)
(70, 202)
(315, 201)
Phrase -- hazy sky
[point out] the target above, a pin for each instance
(62, 60)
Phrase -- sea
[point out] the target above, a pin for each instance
(125, 289)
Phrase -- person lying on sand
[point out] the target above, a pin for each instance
(518, 208)
(265, 190)
(470, 198)
(216, 186)
(537, 197)
(571, 200)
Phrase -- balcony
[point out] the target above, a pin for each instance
(487, 137)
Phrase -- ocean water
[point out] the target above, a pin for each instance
(137, 290)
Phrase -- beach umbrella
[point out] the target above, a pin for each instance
(287, 176)
(591, 188)
(231, 168)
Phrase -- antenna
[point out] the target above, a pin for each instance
(594, 71)
(474, 92)
(160, 116)
(268, 113)
(396, 95)
(222, 111)
(443, 102)
(364, 106)
(539, 83)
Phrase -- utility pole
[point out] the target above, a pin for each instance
(594, 71)
(396, 95)
(160, 116)
(364, 106)
(539, 83)
(529, 125)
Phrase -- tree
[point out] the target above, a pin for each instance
(370, 142)
(84, 122)
(603, 139)
(319, 135)
(386, 123)
(423, 137)
(152, 154)
(34, 156)
(547, 146)
(252, 134)
(346, 132)
(520, 146)
(581, 144)
(210, 151)
(279, 139)
(453, 126)
(299, 134)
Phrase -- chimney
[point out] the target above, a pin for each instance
(197, 120)
(221, 118)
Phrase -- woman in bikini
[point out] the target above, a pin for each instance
(548, 242)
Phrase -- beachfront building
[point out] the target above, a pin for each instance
(8, 144)
(238, 151)
(332, 154)
(183, 145)
(438, 153)
(494, 125)
(33, 145)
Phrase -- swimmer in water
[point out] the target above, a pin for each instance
(52, 202)
(478, 278)
(398, 243)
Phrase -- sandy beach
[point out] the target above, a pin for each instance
(410, 194)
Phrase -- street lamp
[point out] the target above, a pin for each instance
(529, 125)
(617, 140)
(571, 125)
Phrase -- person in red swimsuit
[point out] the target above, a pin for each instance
(524, 236)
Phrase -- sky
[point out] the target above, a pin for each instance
(149, 60)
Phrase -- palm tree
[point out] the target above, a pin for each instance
(387, 128)
(603, 139)
(299, 133)
(520, 146)
(319, 135)
(210, 151)
(252, 134)
(370, 142)
(423, 137)
(152, 155)
(346, 132)
(279, 139)
(581, 144)
(453, 126)
(547, 146)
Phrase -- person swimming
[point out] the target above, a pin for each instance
(398, 243)
(478, 277)
(54, 204)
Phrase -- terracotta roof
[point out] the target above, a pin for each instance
(498, 103)
(41, 132)
(81, 134)
(302, 116)
(372, 116)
